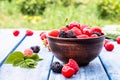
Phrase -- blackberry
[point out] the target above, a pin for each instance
(99, 34)
(35, 49)
(71, 34)
(62, 34)
(56, 67)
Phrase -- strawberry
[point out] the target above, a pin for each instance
(54, 33)
(67, 71)
(16, 33)
(29, 33)
(83, 26)
(77, 31)
(83, 36)
(28, 52)
(73, 24)
(96, 29)
(73, 64)
(109, 46)
(118, 39)
(43, 36)
(87, 31)
(94, 36)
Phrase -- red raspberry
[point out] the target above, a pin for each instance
(96, 29)
(109, 46)
(77, 31)
(87, 31)
(54, 33)
(43, 36)
(16, 33)
(67, 71)
(118, 39)
(83, 36)
(73, 64)
(29, 33)
(73, 24)
(28, 52)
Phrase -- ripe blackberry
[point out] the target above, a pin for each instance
(56, 67)
(71, 34)
(35, 49)
(99, 34)
(62, 34)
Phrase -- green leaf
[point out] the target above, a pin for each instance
(18, 62)
(13, 56)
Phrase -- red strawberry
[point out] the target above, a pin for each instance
(67, 71)
(87, 31)
(73, 24)
(83, 26)
(94, 36)
(77, 31)
(109, 46)
(72, 63)
(83, 36)
(28, 52)
(118, 39)
(29, 33)
(96, 29)
(54, 33)
(16, 33)
(43, 36)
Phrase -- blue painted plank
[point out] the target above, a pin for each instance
(41, 72)
(111, 62)
(93, 71)
(8, 42)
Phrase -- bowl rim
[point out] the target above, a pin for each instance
(75, 38)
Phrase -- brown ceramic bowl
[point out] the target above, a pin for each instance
(81, 50)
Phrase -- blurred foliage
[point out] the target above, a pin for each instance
(109, 9)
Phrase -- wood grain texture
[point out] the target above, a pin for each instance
(8, 42)
(93, 71)
(41, 72)
(111, 62)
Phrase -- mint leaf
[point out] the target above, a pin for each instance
(18, 62)
(13, 56)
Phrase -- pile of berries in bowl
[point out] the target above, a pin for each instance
(77, 41)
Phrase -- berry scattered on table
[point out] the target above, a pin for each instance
(35, 49)
(43, 35)
(67, 71)
(28, 52)
(56, 67)
(118, 39)
(109, 46)
(29, 33)
(16, 33)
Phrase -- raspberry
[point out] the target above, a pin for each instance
(35, 49)
(28, 52)
(73, 24)
(73, 64)
(43, 36)
(54, 33)
(76, 31)
(118, 39)
(96, 29)
(62, 34)
(83, 36)
(70, 34)
(67, 71)
(87, 31)
(109, 46)
(56, 67)
(16, 33)
(29, 33)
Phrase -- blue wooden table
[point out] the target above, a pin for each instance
(105, 67)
